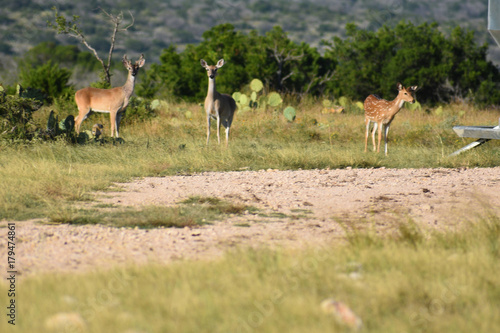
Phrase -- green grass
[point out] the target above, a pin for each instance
(191, 212)
(37, 176)
(410, 281)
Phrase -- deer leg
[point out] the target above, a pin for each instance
(218, 129)
(367, 124)
(112, 117)
(375, 126)
(82, 115)
(117, 123)
(386, 133)
(380, 127)
(208, 127)
(227, 125)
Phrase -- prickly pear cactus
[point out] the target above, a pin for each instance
(67, 124)
(52, 123)
(256, 85)
(253, 96)
(155, 104)
(414, 106)
(343, 101)
(274, 99)
(290, 113)
(244, 100)
(241, 101)
(236, 96)
(327, 103)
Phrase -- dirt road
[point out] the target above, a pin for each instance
(302, 207)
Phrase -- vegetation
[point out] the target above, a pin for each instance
(35, 174)
(159, 24)
(191, 212)
(300, 106)
(16, 115)
(72, 29)
(49, 79)
(410, 280)
(448, 68)
(292, 129)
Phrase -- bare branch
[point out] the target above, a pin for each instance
(286, 77)
(131, 24)
(70, 28)
(326, 78)
(84, 41)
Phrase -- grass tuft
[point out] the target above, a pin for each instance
(191, 212)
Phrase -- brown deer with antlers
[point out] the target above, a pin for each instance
(113, 101)
(382, 112)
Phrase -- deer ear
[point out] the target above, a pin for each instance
(413, 88)
(399, 86)
(141, 61)
(203, 63)
(220, 63)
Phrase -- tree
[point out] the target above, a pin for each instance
(282, 64)
(444, 67)
(71, 28)
(49, 79)
(67, 56)
(366, 62)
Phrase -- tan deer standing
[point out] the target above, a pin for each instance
(382, 112)
(217, 105)
(113, 101)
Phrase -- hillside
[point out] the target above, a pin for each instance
(159, 24)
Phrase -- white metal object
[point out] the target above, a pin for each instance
(494, 19)
(482, 133)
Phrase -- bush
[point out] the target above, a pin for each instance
(49, 78)
(283, 65)
(446, 68)
(138, 109)
(16, 115)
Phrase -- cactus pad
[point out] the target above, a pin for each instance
(274, 99)
(256, 85)
(289, 113)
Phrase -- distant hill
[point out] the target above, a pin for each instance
(160, 23)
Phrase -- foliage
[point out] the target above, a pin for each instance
(446, 69)
(366, 62)
(67, 56)
(16, 117)
(283, 65)
(56, 128)
(48, 78)
(72, 29)
(139, 109)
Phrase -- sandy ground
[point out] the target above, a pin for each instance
(311, 204)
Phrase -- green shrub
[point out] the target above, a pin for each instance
(139, 109)
(49, 79)
(16, 117)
